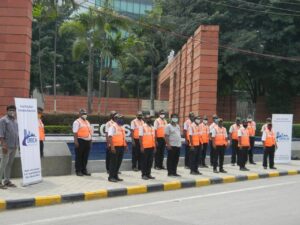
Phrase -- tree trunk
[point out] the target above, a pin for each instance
(90, 81)
(39, 65)
(152, 90)
(99, 86)
(107, 84)
(54, 65)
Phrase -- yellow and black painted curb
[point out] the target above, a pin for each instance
(133, 190)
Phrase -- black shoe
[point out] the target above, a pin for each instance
(112, 180)
(145, 177)
(194, 173)
(119, 179)
(3, 187)
(86, 173)
(273, 168)
(253, 163)
(80, 174)
(135, 169)
(157, 168)
(205, 166)
(163, 168)
(151, 177)
(223, 171)
(216, 171)
(176, 175)
(119, 172)
(233, 164)
(243, 169)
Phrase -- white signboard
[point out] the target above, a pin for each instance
(282, 125)
(29, 140)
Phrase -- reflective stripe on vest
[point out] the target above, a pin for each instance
(251, 128)
(118, 139)
(220, 138)
(148, 137)
(196, 141)
(204, 133)
(270, 138)
(234, 133)
(160, 131)
(41, 130)
(84, 130)
(137, 124)
(245, 138)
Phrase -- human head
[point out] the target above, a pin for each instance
(148, 119)
(269, 123)
(245, 123)
(11, 111)
(238, 120)
(205, 119)
(139, 115)
(40, 111)
(215, 118)
(162, 114)
(119, 119)
(220, 122)
(174, 118)
(269, 120)
(112, 114)
(197, 120)
(83, 114)
(191, 116)
(249, 118)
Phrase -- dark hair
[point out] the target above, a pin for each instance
(9, 107)
(174, 115)
(40, 109)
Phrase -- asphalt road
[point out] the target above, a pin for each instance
(273, 201)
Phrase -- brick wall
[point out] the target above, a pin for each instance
(72, 104)
(191, 77)
(15, 50)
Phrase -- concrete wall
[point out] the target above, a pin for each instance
(191, 77)
(15, 50)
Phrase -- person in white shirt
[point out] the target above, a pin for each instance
(211, 128)
(173, 143)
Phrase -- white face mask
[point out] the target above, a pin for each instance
(197, 121)
(205, 121)
(174, 120)
(162, 116)
(84, 117)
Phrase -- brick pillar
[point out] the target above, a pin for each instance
(15, 50)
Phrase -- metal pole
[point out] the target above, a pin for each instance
(99, 90)
(54, 59)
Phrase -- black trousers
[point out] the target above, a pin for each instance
(211, 152)
(160, 151)
(107, 158)
(194, 158)
(42, 149)
(235, 148)
(82, 155)
(172, 160)
(115, 161)
(187, 156)
(269, 152)
(203, 154)
(251, 149)
(242, 156)
(218, 156)
(136, 155)
(147, 161)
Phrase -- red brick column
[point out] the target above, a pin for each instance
(193, 75)
(15, 50)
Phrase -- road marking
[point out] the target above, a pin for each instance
(50, 220)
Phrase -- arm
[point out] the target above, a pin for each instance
(141, 144)
(167, 135)
(110, 142)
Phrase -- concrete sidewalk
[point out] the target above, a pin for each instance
(96, 186)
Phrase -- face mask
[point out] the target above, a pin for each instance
(216, 120)
(11, 113)
(238, 122)
(269, 126)
(197, 121)
(205, 121)
(84, 117)
(139, 117)
(174, 120)
(162, 116)
(120, 122)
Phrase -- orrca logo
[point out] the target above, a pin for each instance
(282, 137)
(29, 138)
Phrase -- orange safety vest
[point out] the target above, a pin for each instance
(160, 131)
(245, 138)
(234, 133)
(220, 138)
(204, 133)
(251, 128)
(84, 130)
(196, 135)
(148, 137)
(41, 130)
(137, 124)
(189, 122)
(270, 138)
(118, 139)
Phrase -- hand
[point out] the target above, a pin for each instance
(192, 148)
(142, 149)
(4, 150)
(169, 147)
(187, 142)
(133, 143)
(214, 146)
(154, 149)
(156, 143)
(113, 150)
(126, 149)
(276, 146)
(76, 144)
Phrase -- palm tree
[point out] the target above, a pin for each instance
(86, 28)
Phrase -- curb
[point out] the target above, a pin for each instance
(133, 190)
